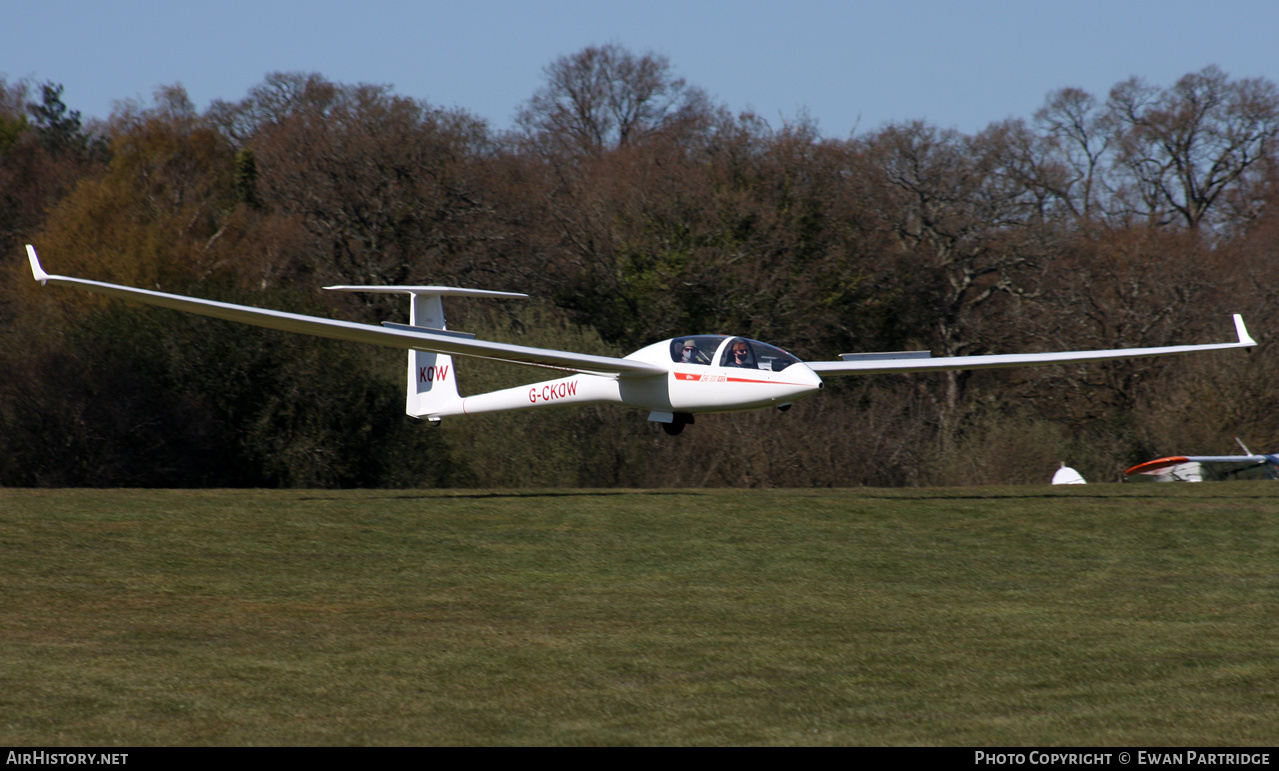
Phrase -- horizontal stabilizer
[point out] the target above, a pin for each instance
(438, 291)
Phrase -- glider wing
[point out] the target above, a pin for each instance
(874, 364)
(416, 338)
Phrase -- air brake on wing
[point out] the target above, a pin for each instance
(886, 355)
(429, 330)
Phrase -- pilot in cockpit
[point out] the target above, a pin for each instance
(740, 355)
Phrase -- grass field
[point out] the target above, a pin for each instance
(1097, 615)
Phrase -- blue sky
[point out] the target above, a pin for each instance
(850, 65)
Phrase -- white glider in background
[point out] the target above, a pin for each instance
(673, 379)
(1207, 468)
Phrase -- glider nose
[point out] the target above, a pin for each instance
(807, 381)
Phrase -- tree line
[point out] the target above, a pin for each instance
(632, 208)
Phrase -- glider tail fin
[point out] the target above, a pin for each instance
(432, 380)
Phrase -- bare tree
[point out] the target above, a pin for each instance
(1080, 138)
(279, 96)
(962, 219)
(606, 97)
(383, 184)
(1182, 149)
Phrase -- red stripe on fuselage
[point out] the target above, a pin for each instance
(721, 378)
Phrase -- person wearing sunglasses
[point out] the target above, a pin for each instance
(691, 354)
(739, 355)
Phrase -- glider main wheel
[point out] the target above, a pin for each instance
(676, 426)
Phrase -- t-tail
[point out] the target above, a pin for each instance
(432, 379)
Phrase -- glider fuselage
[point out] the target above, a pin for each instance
(716, 381)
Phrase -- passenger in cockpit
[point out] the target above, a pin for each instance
(691, 354)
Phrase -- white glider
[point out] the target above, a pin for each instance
(673, 379)
(1203, 468)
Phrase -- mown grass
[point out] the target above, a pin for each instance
(1096, 615)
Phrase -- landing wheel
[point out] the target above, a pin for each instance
(676, 426)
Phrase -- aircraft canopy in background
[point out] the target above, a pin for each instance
(1068, 476)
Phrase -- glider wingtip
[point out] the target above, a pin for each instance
(1242, 331)
(36, 270)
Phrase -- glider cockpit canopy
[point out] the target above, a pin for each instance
(728, 351)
